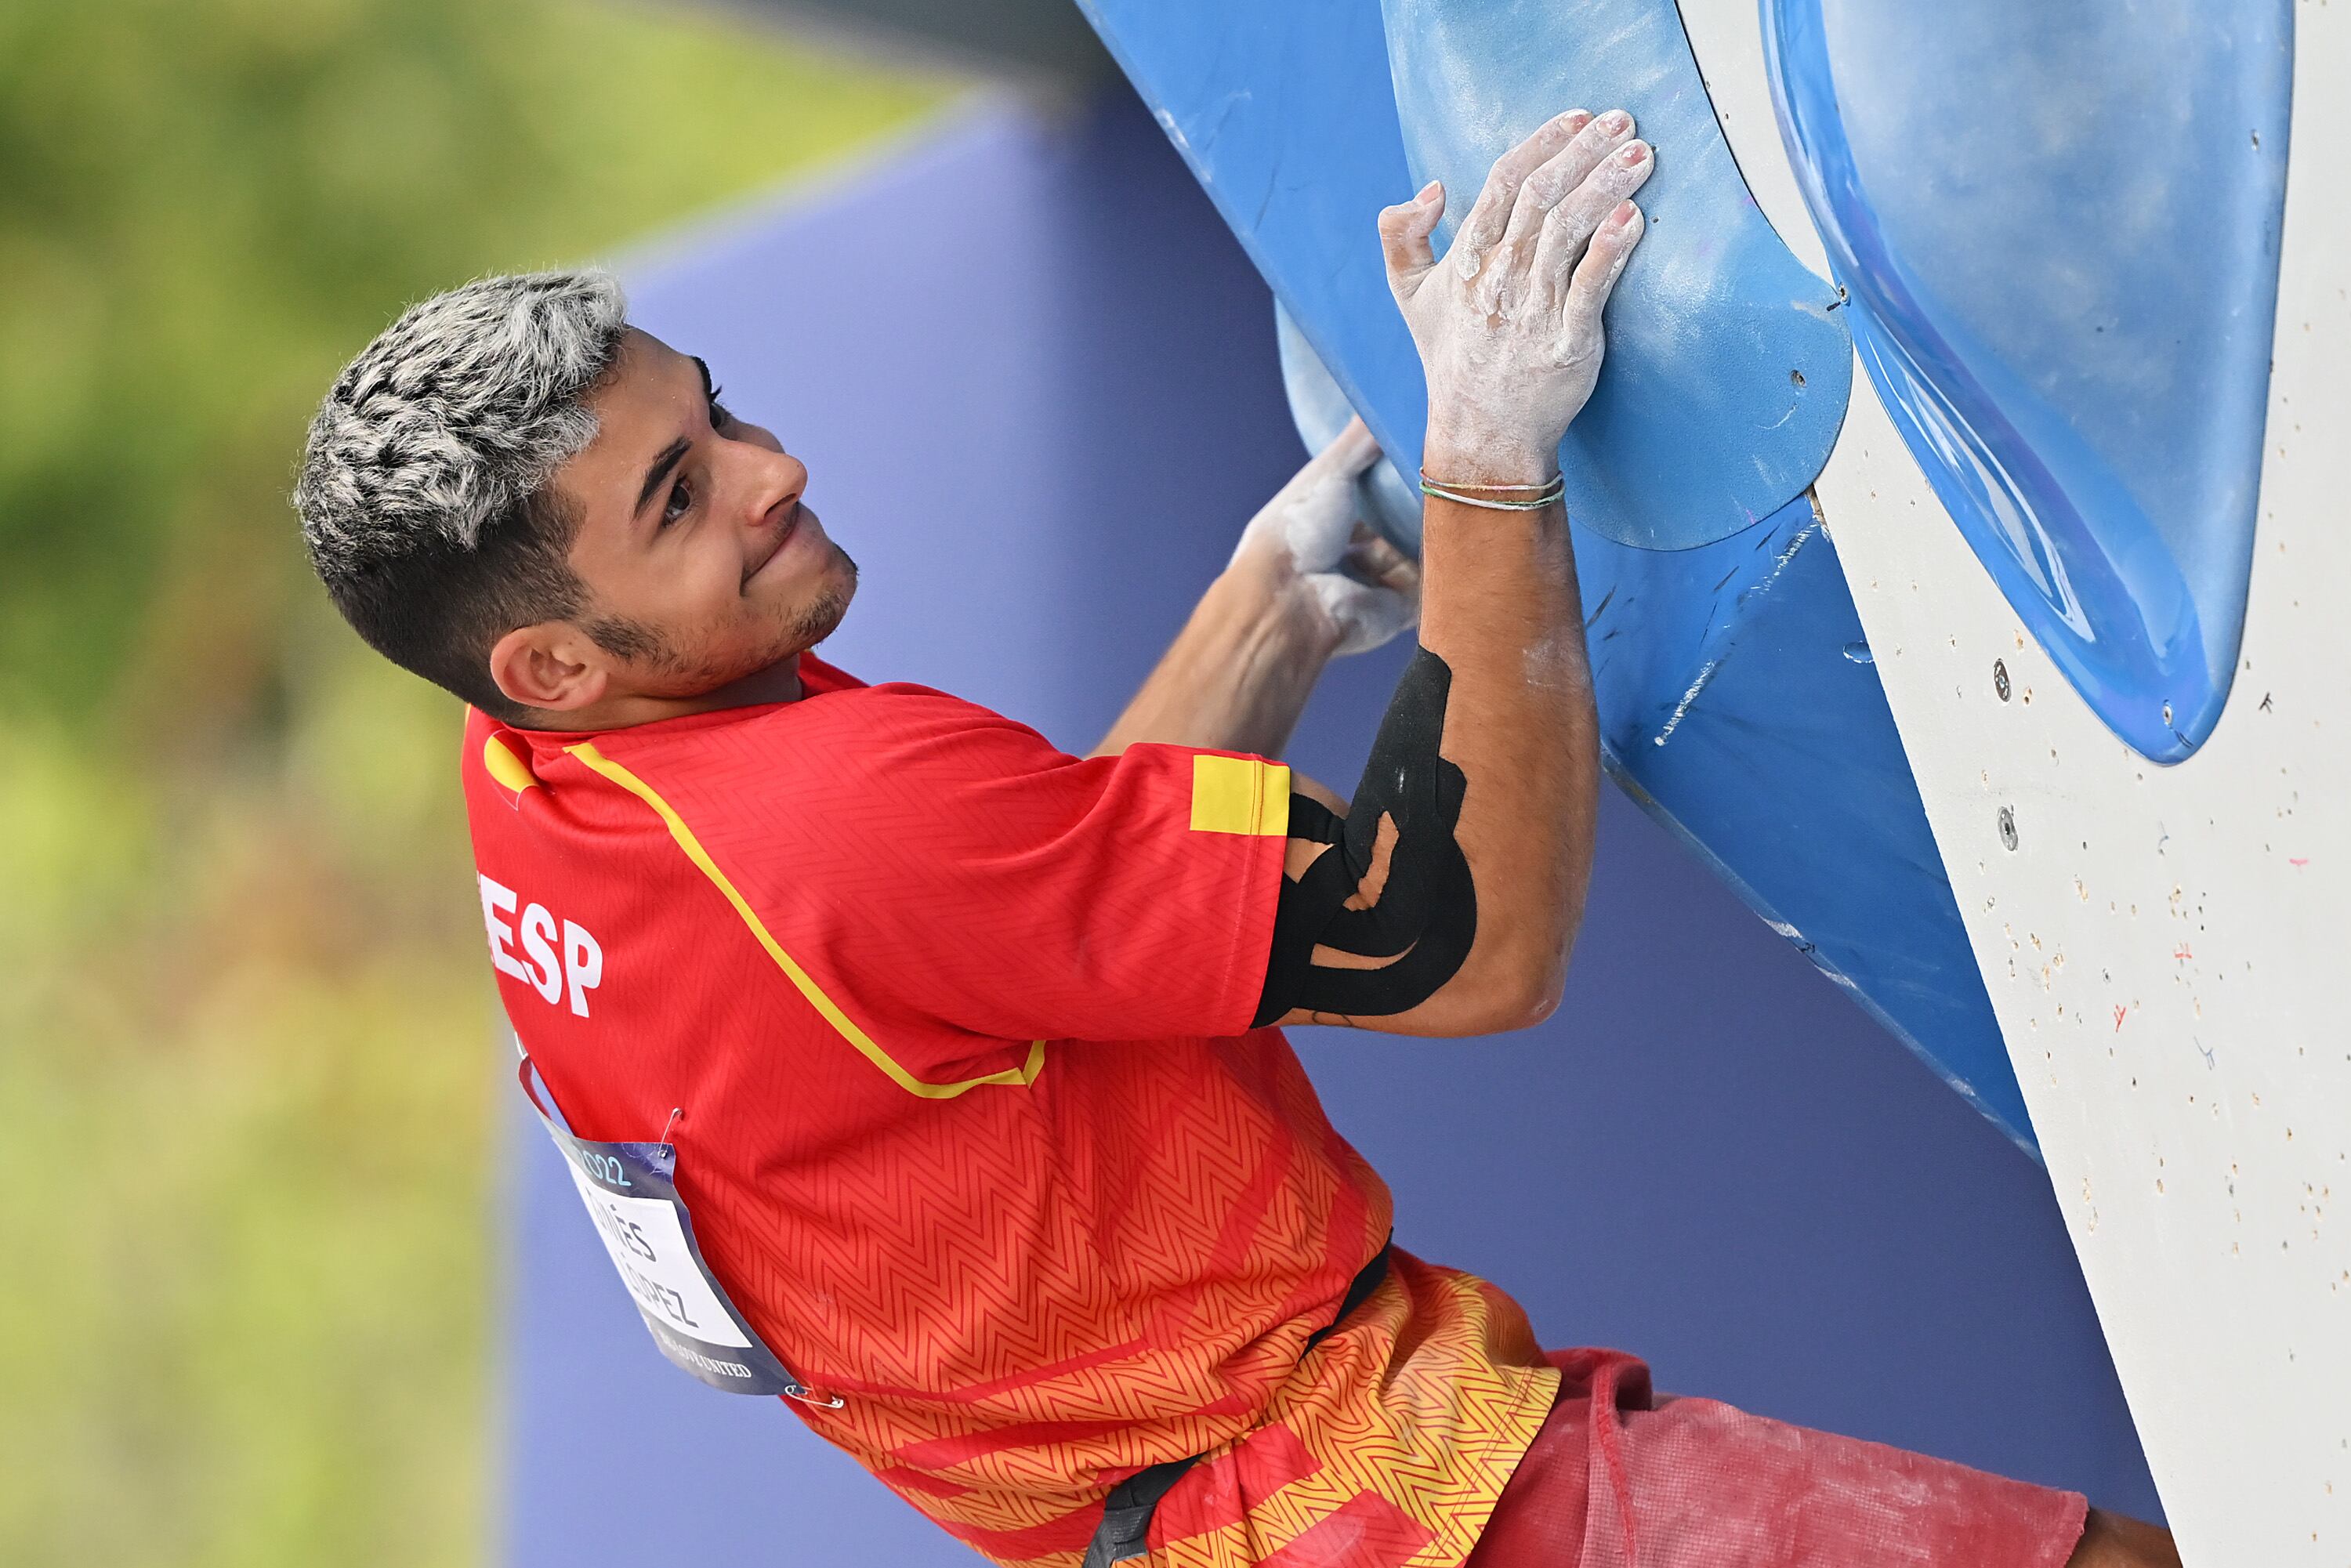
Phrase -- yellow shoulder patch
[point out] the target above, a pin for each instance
(1239, 795)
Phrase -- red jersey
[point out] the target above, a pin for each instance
(950, 1030)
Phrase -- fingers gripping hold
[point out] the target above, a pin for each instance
(1570, 226)
(1484, 227)
(1558, 206)
(1309, 536)
(1309, 520)
(1563, 175)
(1350, 452)
(1372, 559)
(1603, 263)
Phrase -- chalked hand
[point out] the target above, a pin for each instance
(1309, 535)
(1507, 321)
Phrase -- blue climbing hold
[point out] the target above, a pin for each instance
(2060, 227)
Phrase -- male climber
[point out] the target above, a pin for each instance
(969, 1051)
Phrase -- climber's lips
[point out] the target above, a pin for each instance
(789, 531)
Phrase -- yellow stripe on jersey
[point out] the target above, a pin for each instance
(1239, 795)
(1023, 1075)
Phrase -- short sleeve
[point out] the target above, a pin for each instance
(949, 863)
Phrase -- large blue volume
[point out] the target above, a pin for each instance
(1737, 699)
(2060, 226)
(1677, 447)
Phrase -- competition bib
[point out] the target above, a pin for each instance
(630, 1192)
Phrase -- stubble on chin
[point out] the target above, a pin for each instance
(821, 616)
(804, 628)
(674, 673)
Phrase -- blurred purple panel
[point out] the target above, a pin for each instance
(1035, 381)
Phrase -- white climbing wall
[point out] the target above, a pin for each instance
(2168, 948)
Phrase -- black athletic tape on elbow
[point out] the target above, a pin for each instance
(1426, 913)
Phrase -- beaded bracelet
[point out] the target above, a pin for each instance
(1543, 495)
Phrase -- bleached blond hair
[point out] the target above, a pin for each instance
(422, 489)
(457, 411)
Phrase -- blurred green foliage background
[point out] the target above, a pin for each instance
(246, 1275)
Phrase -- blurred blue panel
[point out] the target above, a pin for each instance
(1383, 498)
(1727, 368)
(1707, 1156)
(2060, 226)
(1287, 115)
